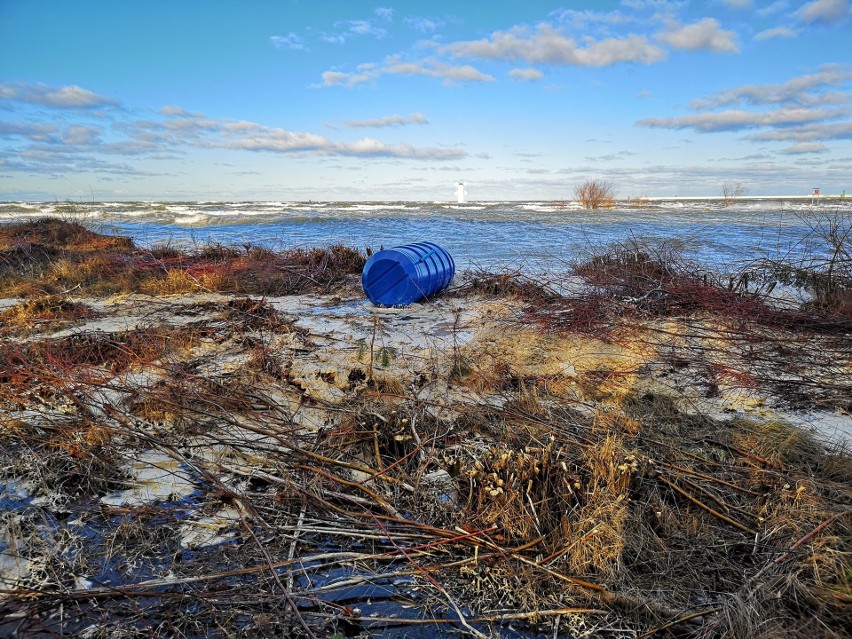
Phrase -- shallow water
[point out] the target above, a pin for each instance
(541, 235)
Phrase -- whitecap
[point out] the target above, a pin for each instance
(188, 220)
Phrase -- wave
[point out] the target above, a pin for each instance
(191, 220)
(9, 210)
(487, 233)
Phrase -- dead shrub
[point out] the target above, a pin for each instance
(70, 458)
(255, 314)
(511, 284)
(595, 194)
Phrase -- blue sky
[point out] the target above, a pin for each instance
(351, 100)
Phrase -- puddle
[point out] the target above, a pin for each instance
(14, 496)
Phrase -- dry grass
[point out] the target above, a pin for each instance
(564, 501)
(56, 257)
(42, 315)
(731, 327)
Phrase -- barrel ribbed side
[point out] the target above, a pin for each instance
(406, 274)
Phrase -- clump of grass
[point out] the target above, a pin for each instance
(595, 531)
(502, 285)
(39, 257)
(179, 281)
(574, 504)
(43, 314)
(255, 314)
(117, 351)
(266, 361)
(54, 233)
(54, 256)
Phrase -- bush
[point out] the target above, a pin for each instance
(595, 194)
(733, 190)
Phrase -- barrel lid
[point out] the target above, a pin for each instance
(389, 279)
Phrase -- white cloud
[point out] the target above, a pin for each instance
(735, 120)
(176, 111)
(805, 147)
(53, 163)
(657, 6)
(777, 32)
(56, 149)
(582, 19)
(33, 132)
(279, 140)
(548, 46)
(82, 135)
(390, 120)
(347, 29)
(824, 11)
(806, 133)
(526, 74)
(430, 68)
(365, 27)
(738, 4)
(290, 41)
(703, 35)
(67, 97)
(385, 13)
(339, 78)
(793, 91)
(251, 136)
(424, 25)
(775, 7)
(610, 157)
(450, 74)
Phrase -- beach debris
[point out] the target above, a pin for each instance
(406, 274)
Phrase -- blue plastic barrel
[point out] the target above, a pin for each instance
(406, 274)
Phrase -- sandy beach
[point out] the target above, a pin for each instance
(235, 442)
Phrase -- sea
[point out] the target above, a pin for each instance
(531, 236)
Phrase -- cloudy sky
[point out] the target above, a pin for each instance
(353, 100)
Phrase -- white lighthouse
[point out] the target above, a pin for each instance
(461, 192)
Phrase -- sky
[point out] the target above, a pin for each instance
(400, 100)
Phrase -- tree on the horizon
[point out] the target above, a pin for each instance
(595, 194)
(732, 190)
